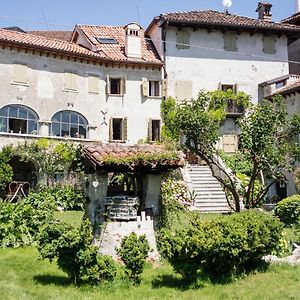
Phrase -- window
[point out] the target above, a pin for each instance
(230, 41)
(280, 84)
(20, 75)
(154, 130)
(118, 129)
(93, 82)
(183, 90)
(104, 40)
(151, 88)
(18, 119)
(69, 124)
(134, 32)
(116, 86)
(269, 44)
(226, 87)
(183, 40)
(154, 87)
(230, 143)
(70, 81)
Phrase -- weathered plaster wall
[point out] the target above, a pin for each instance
(207, 64)
(45, 93)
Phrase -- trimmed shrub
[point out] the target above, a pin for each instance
(222, 247)
(288, 210)
(75, 254)
(134, 251)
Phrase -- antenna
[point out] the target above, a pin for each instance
(226, 4)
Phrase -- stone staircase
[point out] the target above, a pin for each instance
(210, 197)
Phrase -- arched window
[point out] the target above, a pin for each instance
(68, 124)
(16, 118)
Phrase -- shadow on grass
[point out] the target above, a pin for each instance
(178, 283)
(48, 279)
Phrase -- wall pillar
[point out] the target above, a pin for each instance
(44, 127)
(151, 191)
(96, 191)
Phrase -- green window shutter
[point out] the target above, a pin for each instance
(269, 44)
(150, 138)
(107, 85)
(230, 41)
(183, 40)
(145, 87)
(124, 129)
(110, 133)
(123, 86)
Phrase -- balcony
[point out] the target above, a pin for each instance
(232, 110)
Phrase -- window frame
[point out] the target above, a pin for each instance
(152, 136)
(122, 88)
(266, 48)
(123, 129)
(31, 118)
(64, 124)
(73, 88)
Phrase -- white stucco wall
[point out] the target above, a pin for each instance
(207, 64)
(45, 93)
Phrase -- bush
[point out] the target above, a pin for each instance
(134, 251)
(288, 210)
(6, 171)
(75, 253)
(21, 221)
(222, 247)
(67, 197)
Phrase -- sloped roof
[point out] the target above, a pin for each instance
(294, 19)
(122, 157)
(288, 88)
(117, 51)
(221, 19)
(63, 35)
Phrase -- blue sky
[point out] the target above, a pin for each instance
(116, 12)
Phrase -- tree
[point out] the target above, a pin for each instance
(266, 139)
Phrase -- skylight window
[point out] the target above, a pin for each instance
(104, 40)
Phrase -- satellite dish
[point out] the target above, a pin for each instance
(227, 4)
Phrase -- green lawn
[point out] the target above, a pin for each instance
(71, 217)
(23, 276)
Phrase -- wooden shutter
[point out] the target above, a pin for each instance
(93, 82)
(269, 43)
(123, 86)
(107, 85)
(150, 138)
(110, 130)
(183, 40)
(124, 129)
(145, 87)
(68, 81)
(230, 143)
(183, 90)
(20, 73)
(165, 88)
(230, 41)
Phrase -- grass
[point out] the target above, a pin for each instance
(71, 217)
(23, 276)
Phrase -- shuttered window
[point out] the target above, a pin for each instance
(165, 88)
(93, 82)
(153, 130)
(182, 39)
(70, 81)
(183, 90)
(269, 44)
(116, 86)
(151, 88)
(230, 143)
(20, 74)
(230, 41)
(118, 129)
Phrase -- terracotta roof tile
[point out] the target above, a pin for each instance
(55, 34)
(288, 88)
(210, 17)
(294, 19)
(117, 51)
(106, 156)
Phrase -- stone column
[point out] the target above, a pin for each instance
(44, 128)
(96, 191)
(151, 191)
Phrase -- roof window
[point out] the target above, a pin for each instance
(104, 40)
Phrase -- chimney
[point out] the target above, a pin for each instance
(264, 11)
(133, 47)
(297, 6)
